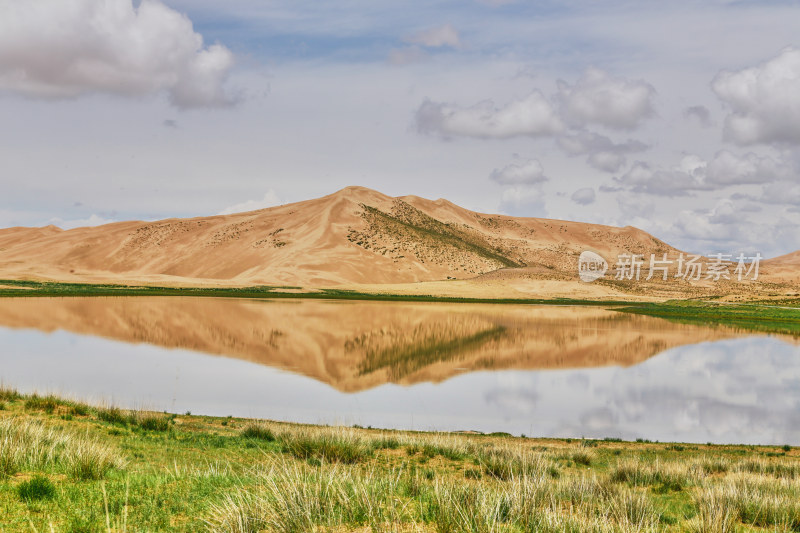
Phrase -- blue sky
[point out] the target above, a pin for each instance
(682, 118)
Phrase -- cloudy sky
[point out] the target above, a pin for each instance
(681, 118)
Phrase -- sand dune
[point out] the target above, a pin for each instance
(355, 237)
(785, 268)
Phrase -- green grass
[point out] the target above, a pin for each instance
(16, 288)
(404, 359)
(38, 488)
(749, 317)
(258, 432)
(413, 225)
(112, 472)
(761, 317)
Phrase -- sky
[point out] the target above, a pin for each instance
(681, 118)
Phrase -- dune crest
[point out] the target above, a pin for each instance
(354, 237)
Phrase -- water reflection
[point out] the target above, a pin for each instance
(544, 371)
(355, 346)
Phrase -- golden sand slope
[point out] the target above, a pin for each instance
(785, 268)
(359, 345)
(355, 237)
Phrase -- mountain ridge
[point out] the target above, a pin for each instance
(353, 236)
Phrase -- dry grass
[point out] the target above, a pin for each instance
(237, 475)
(32, 445)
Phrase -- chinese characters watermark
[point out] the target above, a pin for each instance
(689, 267)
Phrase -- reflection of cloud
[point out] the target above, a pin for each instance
(578, 380)
(599, 419)
(724, 392)
(513, 401)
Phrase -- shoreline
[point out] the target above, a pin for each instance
(772, 316)
(69, 466)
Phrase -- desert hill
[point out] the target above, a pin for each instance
(356, 237)
(785, 268)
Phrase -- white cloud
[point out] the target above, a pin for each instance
(764, 100)
(599, 98)
(677, 181)
(632, 207)
(93, 220)
(780, 193)
(606, 161)
(729, 169)
(701, 227)
(407, 55)
(528, 172)
(440, 36)
(57, 49)
(270, 199)
(584, 196)
(531, 116)
(699, 113)
(695, 174)
(523, 201)
(603, 153)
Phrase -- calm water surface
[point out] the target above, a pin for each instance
(535, 370)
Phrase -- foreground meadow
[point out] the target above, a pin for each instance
(67, 466)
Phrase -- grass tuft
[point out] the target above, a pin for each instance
(336, 448)
(258, 432)
(35, 489)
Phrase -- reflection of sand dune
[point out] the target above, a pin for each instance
(358, 345)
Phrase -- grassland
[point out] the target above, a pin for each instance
(30, 289)
(66, 466)
(764, 317)
(760, 317)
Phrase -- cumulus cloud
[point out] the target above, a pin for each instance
(678, 181)
(607, 161)
(700, 113)
(603, 153)
(764, 101)
(781, 193)
(729, 169)
(440, 36)
(701, 226)
(523, 201)
(599, 98)
(270, 199)
(57, 49)
(528, 173)
(693, 173)
(93, 220)
(583, 196)
(407, 55)
(633, 207)
(531, 116)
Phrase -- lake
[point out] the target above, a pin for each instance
(544, 371)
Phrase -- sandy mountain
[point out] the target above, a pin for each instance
(785, 268)
(355, 237)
